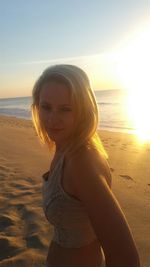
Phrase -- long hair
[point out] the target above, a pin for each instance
(84, 103)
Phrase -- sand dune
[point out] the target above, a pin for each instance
(24, 232)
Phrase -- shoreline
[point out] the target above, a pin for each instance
(24, 232)
(103, 128)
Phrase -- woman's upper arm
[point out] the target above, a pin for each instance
(105, 214)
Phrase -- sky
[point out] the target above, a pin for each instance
(109, 39)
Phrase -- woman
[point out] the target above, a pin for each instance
(90, 228)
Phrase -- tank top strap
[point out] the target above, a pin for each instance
(61, 164)
(57, 171)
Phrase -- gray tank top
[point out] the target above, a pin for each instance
(72, 227)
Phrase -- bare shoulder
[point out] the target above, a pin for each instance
(86, 163)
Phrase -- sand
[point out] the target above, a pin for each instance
(24, 232)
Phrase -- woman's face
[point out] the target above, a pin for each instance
(56, 112)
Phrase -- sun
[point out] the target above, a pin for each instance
(134, 73)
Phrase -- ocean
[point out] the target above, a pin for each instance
(112, 109)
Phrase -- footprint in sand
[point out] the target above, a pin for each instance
(4, 171)
(3, 168)
(112, 144)
(34, 241)
(123, 148)
(126, 177)
(26, 214)
(20, 206)
(8, 247)
(5, 221)
(17, 195)
(33, 228)
(22, 187)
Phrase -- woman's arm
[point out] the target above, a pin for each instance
(106, 216)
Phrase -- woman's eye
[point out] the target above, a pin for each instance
(46, 107)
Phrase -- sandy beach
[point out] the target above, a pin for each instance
(24, 232)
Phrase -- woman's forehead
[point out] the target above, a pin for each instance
(54, 91)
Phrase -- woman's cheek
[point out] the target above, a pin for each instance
(43, 117)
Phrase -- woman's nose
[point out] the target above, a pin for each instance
(54, 116)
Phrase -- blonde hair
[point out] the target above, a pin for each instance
(86, 109)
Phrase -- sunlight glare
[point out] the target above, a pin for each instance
(138, 110)
(134, 72)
